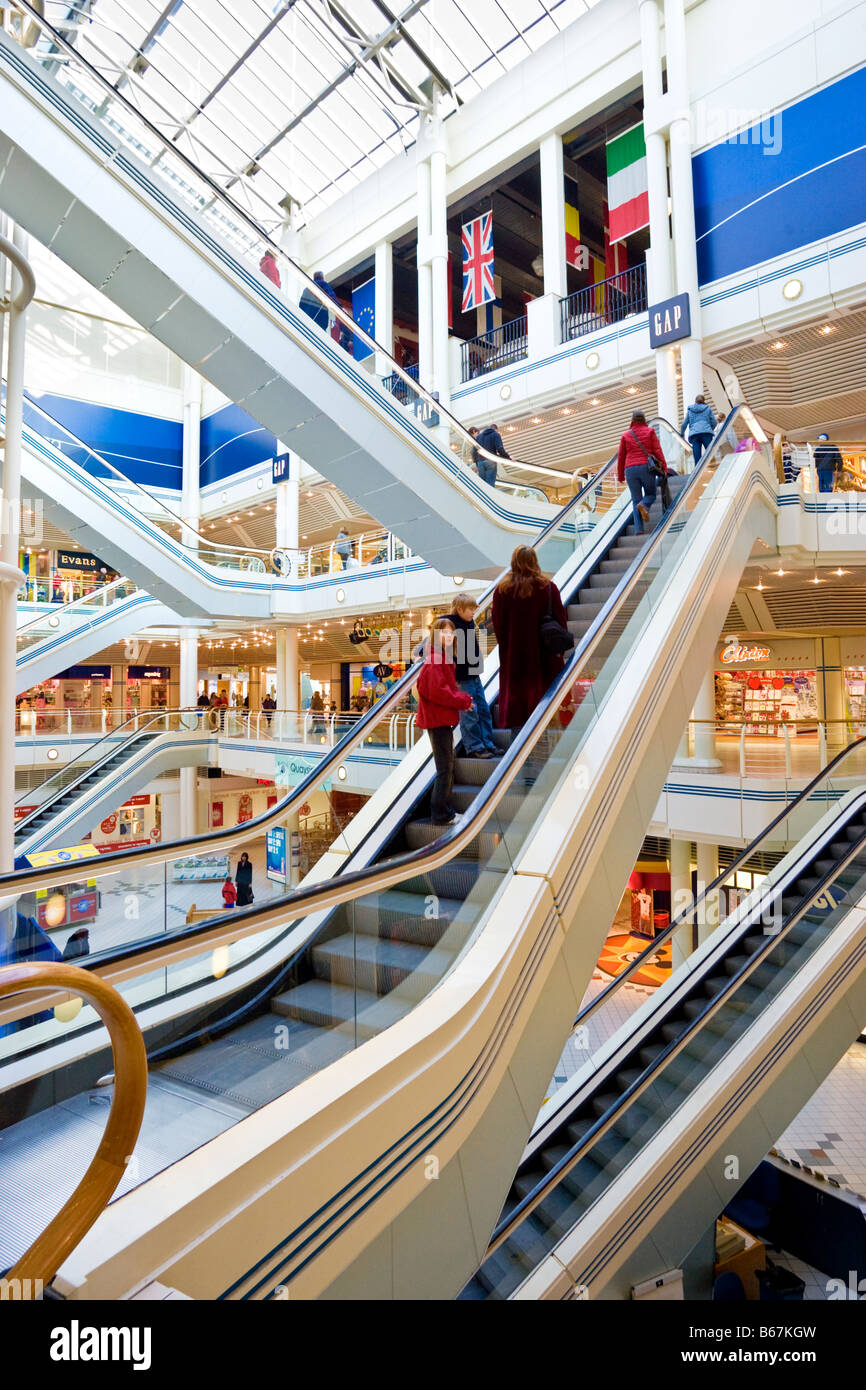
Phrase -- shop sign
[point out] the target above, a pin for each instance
(734, 654)
(288, 769)
(276, 854)
(85, 673)
(78, 560)
(280, 468)
(22, 811)
(136, 801)
(148, 673)
(670, 321)
(50, 858)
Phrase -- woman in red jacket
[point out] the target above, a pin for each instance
(638, 445)
(439, 704)
(526, 669)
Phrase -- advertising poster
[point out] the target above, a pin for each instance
(276, 854)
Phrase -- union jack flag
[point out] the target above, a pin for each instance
(478, 286)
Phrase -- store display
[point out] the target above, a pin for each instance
(201, 868)
(765, 701)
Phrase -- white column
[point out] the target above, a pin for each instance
(439, 264)
(708, 870)
(188, 696)
(288, 670)
(384, 310)
(704, 714)
(190, 485)
(425, 276)
(660, 283)
(553, 217)
(287, 513)
(17, 332)
(682, 194)
(10, 580)
(681, 896)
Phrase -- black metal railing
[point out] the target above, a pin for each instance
(498, 348)
(397, 386)
(610, 301)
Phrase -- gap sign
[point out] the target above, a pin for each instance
(670, 321)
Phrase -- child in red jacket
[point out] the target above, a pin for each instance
(230, 894)
(439, 704)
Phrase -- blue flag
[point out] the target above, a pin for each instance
(364, 314)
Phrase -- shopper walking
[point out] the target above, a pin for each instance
(490, 439)
(244, 880)
(269, 704)
(521, 601)
(439, 705)
(828, 462)
(637, 448)
(268, 267)
(476, 724)
(700, 422)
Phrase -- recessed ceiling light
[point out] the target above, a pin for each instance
(778, 345)
(760, 587)
(536, 419)
(840, 573)
(828, 329)
(632, 390)
(510, 428)
(566, 410)
(780, 573)
(595, 401)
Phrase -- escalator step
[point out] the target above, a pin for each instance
(455, 879)
(420, 833)
(400, 916)
(473, 772)
(732, 964)
(331, 1005)
(379, 966)
(617, 566)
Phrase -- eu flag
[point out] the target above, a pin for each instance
(364, 314)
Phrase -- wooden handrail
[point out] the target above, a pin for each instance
(91, 1196)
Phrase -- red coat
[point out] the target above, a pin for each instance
(525, 668)
(230, 894)
(439, 698)
(630, 453)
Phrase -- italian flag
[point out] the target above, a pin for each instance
(627, 187)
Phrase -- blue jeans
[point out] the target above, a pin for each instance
(642, 486)
(476, 724)
(487, 472)
(700, 443)
(825, 479)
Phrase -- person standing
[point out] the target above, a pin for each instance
(269, 704)
(269, 268)
(343, 546)
(701, 424)
(439, 705)
(244, 880)
(521, 601)
(637, 447)
(490, 439)
(828, 462)
(476, 724)
(230, 895)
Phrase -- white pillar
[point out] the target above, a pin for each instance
(287, 514)
(708, 870)
(553, 217)
(190, 483)
(681, 896)
(704, 714)
(17, 332)
(288, 670)
(11, 579)
(384, 310)
(425, 276)
(682, 194)
(439, 265)
(188, 696)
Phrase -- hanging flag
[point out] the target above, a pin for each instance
(478, 286)
(627, 185)
(615, 254)
(572, 237)
(364, 314)
(599, 275)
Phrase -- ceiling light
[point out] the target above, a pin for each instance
(566, 410)
(595, 401)
(778, 345)
(840, 573)
(816, 580)
(828, 329)
(457, 579)
(792, 289)
(536, 419)
(760, 587)
(631, 390)
(510, 428)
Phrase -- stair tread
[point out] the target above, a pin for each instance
(342, 1002)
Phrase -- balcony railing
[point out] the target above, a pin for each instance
(610, 301)
(498, 348)
(397, 386)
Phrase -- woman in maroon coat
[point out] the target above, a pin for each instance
(526, 669)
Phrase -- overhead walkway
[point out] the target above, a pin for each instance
(102, 777)
(630, 1165)
(436, 1036)
(172, 249)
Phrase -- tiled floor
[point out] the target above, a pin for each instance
(817, 1290)
(829, 1134)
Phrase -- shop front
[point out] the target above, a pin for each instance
(767, 688)
(75, 574)
(138, 822)
(147, 687)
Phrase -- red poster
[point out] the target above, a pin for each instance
(272, 801)
(216, 813)
(245, 808)
(109, 825)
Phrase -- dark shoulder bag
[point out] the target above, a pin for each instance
(656, 466)
(554, 637)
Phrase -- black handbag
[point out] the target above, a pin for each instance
(655, 466)
(554, 637)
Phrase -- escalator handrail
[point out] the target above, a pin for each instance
(27, 879)
(742, 857)
(62, 611)
(162, 507)
(109, 1164)
(261, 236)
(128, 960)
(606, 1121)
(146, 720)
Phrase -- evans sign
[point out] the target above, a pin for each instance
(670, 321)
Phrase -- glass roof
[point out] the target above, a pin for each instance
(298, 100)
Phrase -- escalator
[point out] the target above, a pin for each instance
(446, 1046)
(610, 1179)
(164, 242)
(72, 632)
(100, 778)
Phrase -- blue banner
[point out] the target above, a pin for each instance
(364, 314)
(276, 854)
